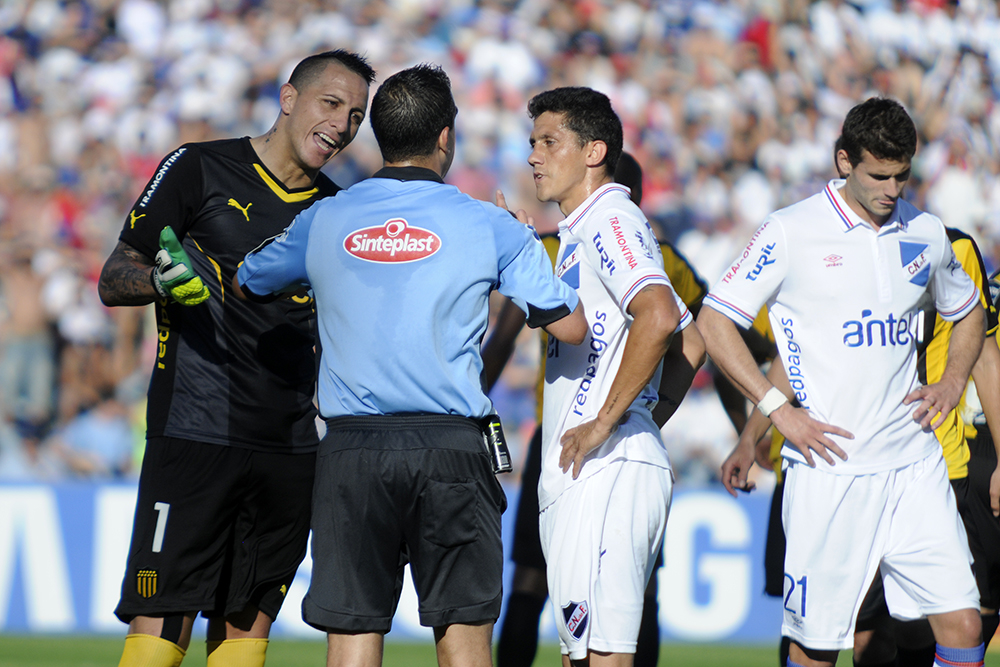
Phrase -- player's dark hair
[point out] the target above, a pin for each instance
(588, 114)
(629, 173)
(310, 68)
(409, 111)
(882, 127)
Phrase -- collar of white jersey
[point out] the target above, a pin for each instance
(605, 191)
(851, 220)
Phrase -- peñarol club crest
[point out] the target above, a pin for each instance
(394, 242)
(146, 583)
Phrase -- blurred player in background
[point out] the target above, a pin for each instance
(888, 498)
(222, 516)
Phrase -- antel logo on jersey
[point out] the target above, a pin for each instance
(393, 242)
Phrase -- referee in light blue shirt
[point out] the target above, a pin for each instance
(402, 266)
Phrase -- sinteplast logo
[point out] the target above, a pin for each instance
(395, 241)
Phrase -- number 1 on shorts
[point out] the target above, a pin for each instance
(162, 510)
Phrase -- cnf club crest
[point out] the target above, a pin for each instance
(395, 241)
(576, 615)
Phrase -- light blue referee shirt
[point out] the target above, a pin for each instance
(402, 267)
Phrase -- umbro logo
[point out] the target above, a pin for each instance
(243, 209)
(833, 260)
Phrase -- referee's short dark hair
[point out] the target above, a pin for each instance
(309, 68)
(409, 111)
(588, 114)
(882, 127)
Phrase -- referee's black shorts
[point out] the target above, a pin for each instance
(216, 529)
(404, 488)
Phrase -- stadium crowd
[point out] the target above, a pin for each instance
(731, 106)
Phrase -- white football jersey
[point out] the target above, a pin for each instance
(844, 303)
(608, 253)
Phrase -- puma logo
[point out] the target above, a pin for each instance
(243, 209)
(133, 217)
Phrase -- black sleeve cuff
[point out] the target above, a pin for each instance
(537, 317)
(258, 298)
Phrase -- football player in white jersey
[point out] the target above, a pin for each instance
(606, 482)
(844, 274)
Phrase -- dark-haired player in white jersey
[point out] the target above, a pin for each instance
(845, 274)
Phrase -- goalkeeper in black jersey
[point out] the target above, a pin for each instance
(222, 516)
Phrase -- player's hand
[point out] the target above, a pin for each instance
(172, 275)
(737, 466)
(995, 491)
(579, 441)
(936, 401)
(520, 214)
(809, 435)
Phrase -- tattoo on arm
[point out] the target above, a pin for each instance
(125, 279)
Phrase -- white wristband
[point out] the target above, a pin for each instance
(772, 400)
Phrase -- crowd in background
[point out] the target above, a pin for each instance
(731, 106)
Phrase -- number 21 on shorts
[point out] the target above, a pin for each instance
(795, 595)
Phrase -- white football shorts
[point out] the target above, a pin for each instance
(600, 539)
(842, 529)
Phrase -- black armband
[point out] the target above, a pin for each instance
(538, 317)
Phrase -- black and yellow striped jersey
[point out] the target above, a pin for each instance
(933, 354)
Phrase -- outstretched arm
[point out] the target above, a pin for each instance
(684, 357)
(500, 345)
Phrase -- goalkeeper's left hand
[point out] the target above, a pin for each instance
(172, 275)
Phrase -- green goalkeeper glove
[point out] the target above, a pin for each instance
(172, 276)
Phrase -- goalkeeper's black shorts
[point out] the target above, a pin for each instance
(394, 489)
(216, 529)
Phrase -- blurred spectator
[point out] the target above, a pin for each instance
(732, 106)
(98, 442)
(27, 350)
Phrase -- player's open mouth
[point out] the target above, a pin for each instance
(327, 141)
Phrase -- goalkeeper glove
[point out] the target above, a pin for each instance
(172, 276)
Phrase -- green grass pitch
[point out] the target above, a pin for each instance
(35, 651)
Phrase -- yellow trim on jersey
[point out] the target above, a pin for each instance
(953, 432)
(287, 197)
(218, 269)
